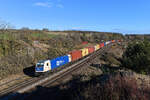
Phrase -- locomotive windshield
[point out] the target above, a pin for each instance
(40, 65)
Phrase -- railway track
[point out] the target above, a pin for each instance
(17, 86)
(17, 90)
(11, 81)
(59, 78)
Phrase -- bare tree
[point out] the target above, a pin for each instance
(5, 25)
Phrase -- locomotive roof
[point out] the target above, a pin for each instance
(42, 61)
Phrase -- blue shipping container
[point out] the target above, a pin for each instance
(59, 61)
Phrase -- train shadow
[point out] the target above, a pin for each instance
(29, 71)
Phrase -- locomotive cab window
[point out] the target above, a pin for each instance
(40, 65)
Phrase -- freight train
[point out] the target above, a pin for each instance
(44, 66)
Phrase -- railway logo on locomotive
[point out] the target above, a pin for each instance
(58, 63)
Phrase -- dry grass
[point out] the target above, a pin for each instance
(117, 88)
(113, 88)
(18, 47)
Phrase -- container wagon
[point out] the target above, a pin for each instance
(102, 45)
(47, 65)
(96, 47)
(75, 55)
(91, 49)
(84, 52)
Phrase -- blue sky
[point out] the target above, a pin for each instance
(126, 16)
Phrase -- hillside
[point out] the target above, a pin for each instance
(104, 79)
(20, 49)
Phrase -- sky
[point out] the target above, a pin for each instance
(124, 16)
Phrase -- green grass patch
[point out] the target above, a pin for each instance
(41, 36)
(6, 36)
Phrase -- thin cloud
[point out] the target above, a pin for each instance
(60, 6)
(43, 4)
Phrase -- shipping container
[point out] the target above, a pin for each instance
(84, 52)
(96, 47)
(91, 49)
(113, 41)
(84, 43)
(59, 61)
(119, 40)
(101, 45)
(75, 55)
(104, 43)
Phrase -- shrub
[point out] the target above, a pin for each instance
(137, 57)
(106, 87)
(117, 88)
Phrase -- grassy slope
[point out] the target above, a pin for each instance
(23, 48)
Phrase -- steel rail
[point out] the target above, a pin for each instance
(32, 83)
